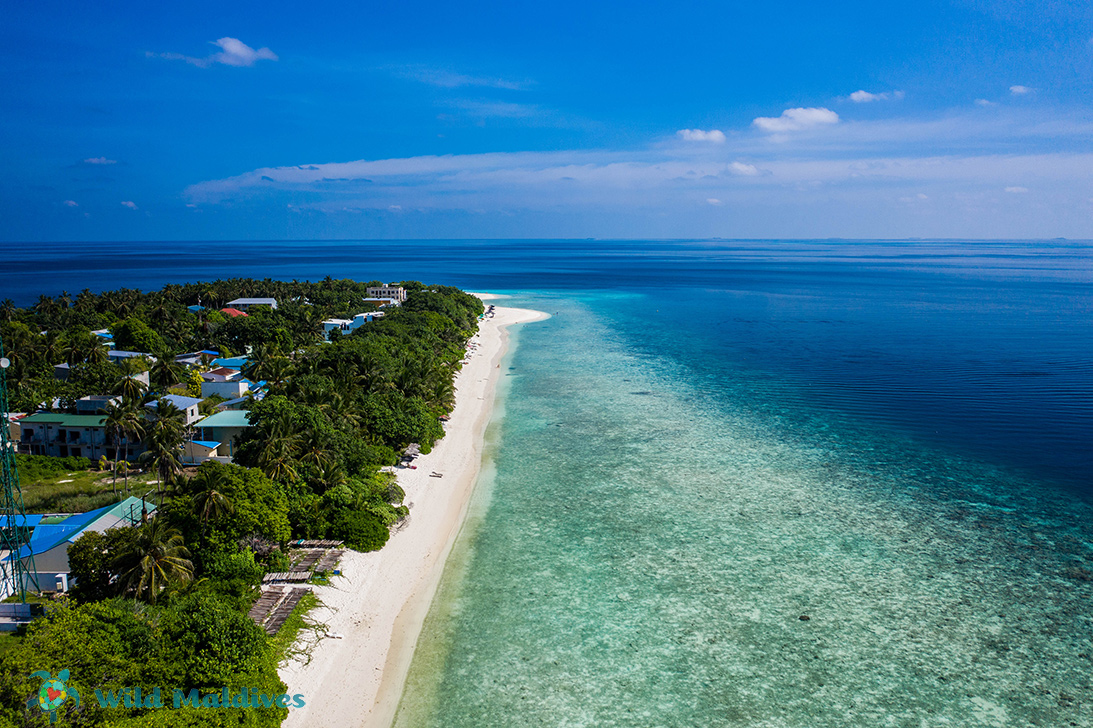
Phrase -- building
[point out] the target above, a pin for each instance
(245, 304)
(380, 302)
(232, 312)
(117, 356)
(223, 428)
(51, 537)
(188, 405)
(63, 370)
(196, 452)
(230, 362)
(347, 326)
(393, 292)
(62, 435)
(221, 374)
(224, 382)
(196, 359)
(96, 404)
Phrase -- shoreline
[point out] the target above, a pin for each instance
(380, 602)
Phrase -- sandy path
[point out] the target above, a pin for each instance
(380, 602)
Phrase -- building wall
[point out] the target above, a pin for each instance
(60, 441)
(228, 390)
(225, 436)
(396, 292)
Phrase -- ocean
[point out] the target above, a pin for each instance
(746, 483)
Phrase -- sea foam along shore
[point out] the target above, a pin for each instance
(379, 603)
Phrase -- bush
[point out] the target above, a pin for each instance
(45, 467)
(362, 530)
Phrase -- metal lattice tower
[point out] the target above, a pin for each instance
(14, 530)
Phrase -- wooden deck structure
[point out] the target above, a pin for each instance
(275, 605)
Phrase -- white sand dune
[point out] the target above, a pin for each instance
(379, 603)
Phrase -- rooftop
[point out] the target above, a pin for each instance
(226, 418)
(47, 536)
(51, 418)
(177, 400)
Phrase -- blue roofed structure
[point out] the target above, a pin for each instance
(231, 362)
(49, 541)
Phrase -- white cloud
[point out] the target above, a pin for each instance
(744, 170)
(237, 53)
(497, 109)
(451, 79)
(130, 204)
(1016, 190)
(72, 203)
(100, 160)
(862, 97)
(233, 52)
(1020, 90)
(714, 201)
(698, 135)
(796, 120)
(984, 102)
(394, 208)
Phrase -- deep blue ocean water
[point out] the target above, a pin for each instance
(711, 439)
(983, 347)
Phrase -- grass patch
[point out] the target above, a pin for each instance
(9, 641)
(85, 490)
(284, 642)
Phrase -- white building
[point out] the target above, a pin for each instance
(347, 326)
(245, 303)
(395, 293)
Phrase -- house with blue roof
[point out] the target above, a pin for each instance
(50, 539)
(230, 362)
(188, 405)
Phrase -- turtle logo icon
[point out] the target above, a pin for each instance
(53, 693)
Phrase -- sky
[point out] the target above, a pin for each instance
(290, 120)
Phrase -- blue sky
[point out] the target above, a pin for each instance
(963, 118)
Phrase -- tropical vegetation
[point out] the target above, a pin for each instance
(164, 602)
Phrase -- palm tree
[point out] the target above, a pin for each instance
(314, 450)
(276, 370)
(129, 387)
(45, 306)
(85, 300)
(156, 556)
(210, 503)
(277, 458)
(129, 427)
(165, 371)
(78, 345)
(98, 354)
(164, 441)
(115, 430)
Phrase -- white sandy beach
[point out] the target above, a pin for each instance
(379, 603)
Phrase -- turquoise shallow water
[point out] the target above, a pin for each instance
(652, 535)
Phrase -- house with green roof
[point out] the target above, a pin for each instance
(62, 435)
(222, 429)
